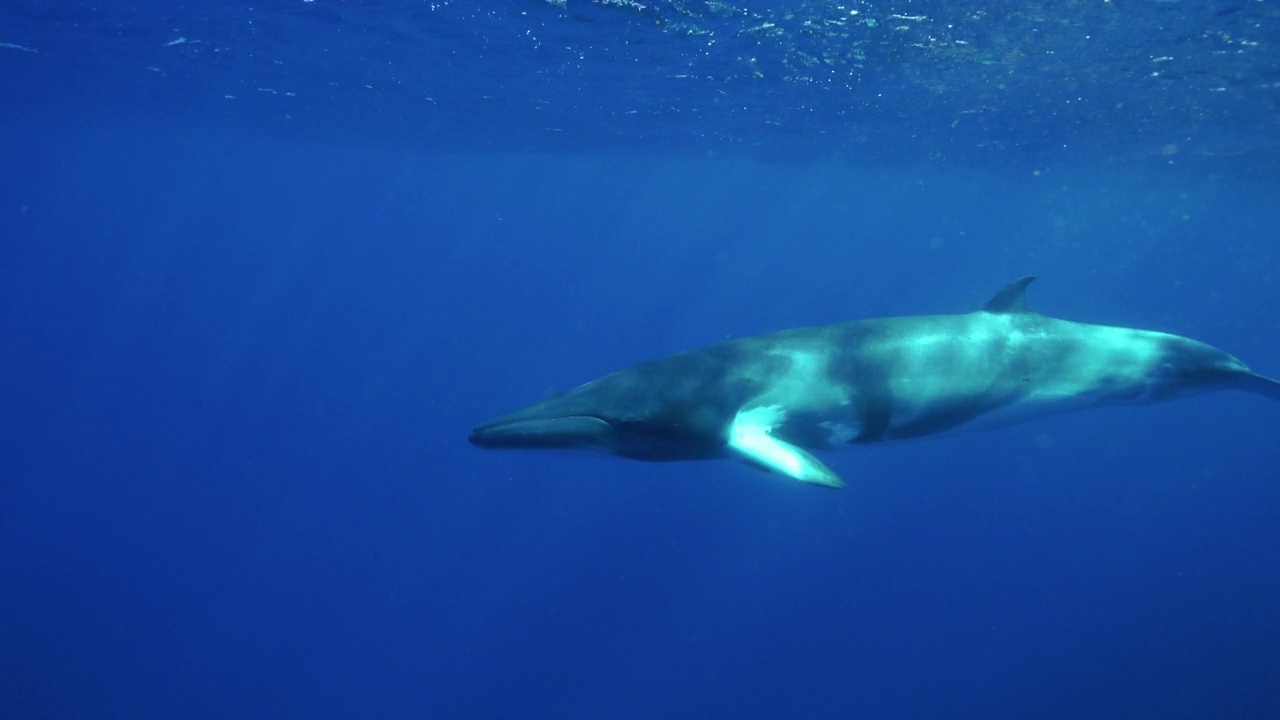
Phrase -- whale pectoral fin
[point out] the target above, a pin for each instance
(749, 436)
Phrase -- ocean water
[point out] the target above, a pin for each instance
(263, 267)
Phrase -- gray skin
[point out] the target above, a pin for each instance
(771, 399)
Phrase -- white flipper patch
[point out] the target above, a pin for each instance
(749, 436)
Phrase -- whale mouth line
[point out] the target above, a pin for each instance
(568, 431)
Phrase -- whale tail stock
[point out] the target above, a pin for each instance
(1259, 385)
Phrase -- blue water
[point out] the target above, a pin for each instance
(244, 335)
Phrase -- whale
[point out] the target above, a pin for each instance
(775, 400)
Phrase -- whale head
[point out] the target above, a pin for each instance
(625, 414)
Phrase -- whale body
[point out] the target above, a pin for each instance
(773, 399)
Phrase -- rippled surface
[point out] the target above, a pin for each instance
(1195, 83)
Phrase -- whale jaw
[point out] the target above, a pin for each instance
(543, 433)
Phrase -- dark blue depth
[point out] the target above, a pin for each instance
(239, 361)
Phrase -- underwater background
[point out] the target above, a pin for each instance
(264, 265)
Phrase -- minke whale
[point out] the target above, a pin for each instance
(775, 399)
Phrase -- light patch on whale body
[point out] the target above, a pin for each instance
(942, 367)
(1117, 366)
(839, 433)
(1039, 366)
(805, 384)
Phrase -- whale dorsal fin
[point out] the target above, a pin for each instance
(1012, 298)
